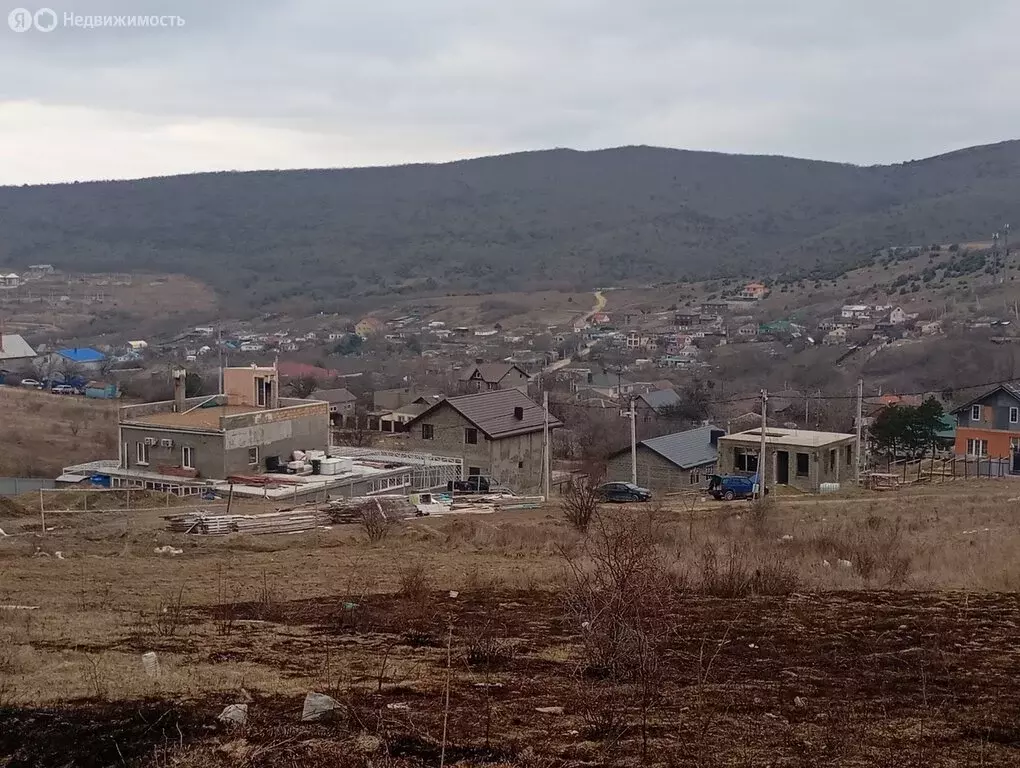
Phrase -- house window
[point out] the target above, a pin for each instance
(520, 465)
(1014, 415)
(142, 454)
(849, 455)
(492, 385)
(977, 447)
(253, 456)
(803, 464)
(474, 471)
(695, 477)
(471, 436)
(188, 457)
(1014, 445)
(832, 460)
(975, 413)
(428, 432)
(744, 460)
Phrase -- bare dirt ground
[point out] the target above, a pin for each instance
(511, 310)
(857, 631)
(41, 433)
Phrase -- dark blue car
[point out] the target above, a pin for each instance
(623, 492)
(730, 487)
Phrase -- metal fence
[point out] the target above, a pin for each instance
(14, 486)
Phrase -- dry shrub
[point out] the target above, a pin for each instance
(169, 615)
(374, 522)
(415, 581)
(741, 573)
(581, 501)
(622, 594)
(488, 648)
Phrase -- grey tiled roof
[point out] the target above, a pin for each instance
(692, 448)
(341, 395)
(660, 399)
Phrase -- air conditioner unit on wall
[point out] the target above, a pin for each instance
(150, 441)
(166, 443)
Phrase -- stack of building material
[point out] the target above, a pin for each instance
(292, 521)
(353, 510)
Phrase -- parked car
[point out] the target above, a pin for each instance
(730, 487)
(31, 383)
(473, 484)
(623, 492)
(63, 389)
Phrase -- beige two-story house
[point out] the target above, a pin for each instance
(497, 434)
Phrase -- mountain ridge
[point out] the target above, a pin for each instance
(557, 217)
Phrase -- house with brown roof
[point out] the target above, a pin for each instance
(486, 377)
(497, 434)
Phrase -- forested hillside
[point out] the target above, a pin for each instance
(550, 218)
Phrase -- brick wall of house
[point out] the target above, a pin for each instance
(513, 461)
(655, 472)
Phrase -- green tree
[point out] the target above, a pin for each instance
(906, 430)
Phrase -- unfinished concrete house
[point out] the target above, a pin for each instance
(801, 459)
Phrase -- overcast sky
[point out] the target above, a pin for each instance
(317, 83)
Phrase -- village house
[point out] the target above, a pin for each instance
(484, 377)
(656, 405)
(341, 403)
(897, 316)
(754, 292)
(835, 337)
(498, 434)
(78, 358)
(245, 430)
(670, 463)
(10, 280)
(394, 408)
(855, 312)
(748, 330)
(605, 384)
(989, 426)
(801, 459)
(13, 347)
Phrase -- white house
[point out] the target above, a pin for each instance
(855, 312)
(897, 316)
(10, 281)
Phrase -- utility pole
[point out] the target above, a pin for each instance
(219, 349)
(633, 443)
(546, 451)
(860, 412)
(1005, 257)
(761, 450)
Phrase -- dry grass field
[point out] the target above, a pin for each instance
(847, 631)
(96, 303)
(42, 433)
(533, 309)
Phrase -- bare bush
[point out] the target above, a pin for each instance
(169, 614)
(622, 595)
(415, 581)
(374, 522)
(581, 501)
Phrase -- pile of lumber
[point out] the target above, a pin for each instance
(292, 521)
(345, 511)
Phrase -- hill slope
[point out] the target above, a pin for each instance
(515, 221)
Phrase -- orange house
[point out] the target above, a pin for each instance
(989, 426)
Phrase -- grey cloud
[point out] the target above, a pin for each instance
(866, 81)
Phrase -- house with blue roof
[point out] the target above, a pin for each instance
(83, 358)
(670, 463)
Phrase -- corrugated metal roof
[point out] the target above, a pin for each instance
(493, 412)
(13, 347)
(1010, 389)
(82, 355)
(692, 448)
